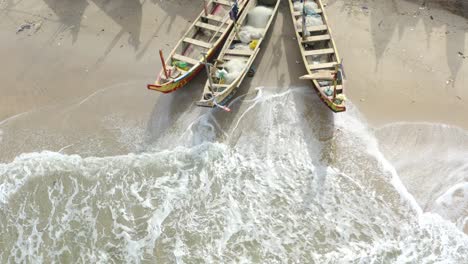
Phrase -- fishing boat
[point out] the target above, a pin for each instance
(238, 53)
(204, 36)
(319, 52)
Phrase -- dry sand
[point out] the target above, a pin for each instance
(75, 81)
(405, 59)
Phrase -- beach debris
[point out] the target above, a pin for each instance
(432, 18)
(23, 27)
(449, 81)
(362, 100)
(29, 25)
(461, 55)
(458, 97)
(37, 26)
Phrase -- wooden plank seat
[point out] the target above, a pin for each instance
(228, 58)
(185, 59)
(218, 85)
(239, 52)
(319, 75)
(207, 26)
(339, 89)
(213, 17)
(322, 65)
(222, 2)
(318, 52)
(314, 28)
(316, 38)
(197, 42)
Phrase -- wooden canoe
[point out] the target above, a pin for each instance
(320, 56)
(219, 93)
(205, 35)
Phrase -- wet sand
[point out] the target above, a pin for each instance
(75, 82)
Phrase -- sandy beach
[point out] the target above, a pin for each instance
(74, 75)
(85, 61)
(406, 61)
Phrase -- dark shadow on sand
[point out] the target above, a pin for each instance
(126, 13)
(70, 13)
(165, 24)
(385, 21)
(169, 108)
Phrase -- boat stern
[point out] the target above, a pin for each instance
(205, 103)
(171, 85)
(337, 108)
(163, 88)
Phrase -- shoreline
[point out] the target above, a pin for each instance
(108, 56)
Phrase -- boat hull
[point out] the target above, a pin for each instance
(179, 82)
(334, 107)
(331, 45)
(222, 98)
(174, 85)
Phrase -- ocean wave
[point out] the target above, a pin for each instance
(283, 180)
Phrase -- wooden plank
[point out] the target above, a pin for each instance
(220, 85)
(222, 2)
(318, 52)
(228, 58)
(299, 13)
(314, 28)
(240, 52)
(319, 75)
(207, 26)
(185, 59)
(214, 18)
(197, 42)
(322, 66)
(316, 38)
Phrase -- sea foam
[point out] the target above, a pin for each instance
(302, 185)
